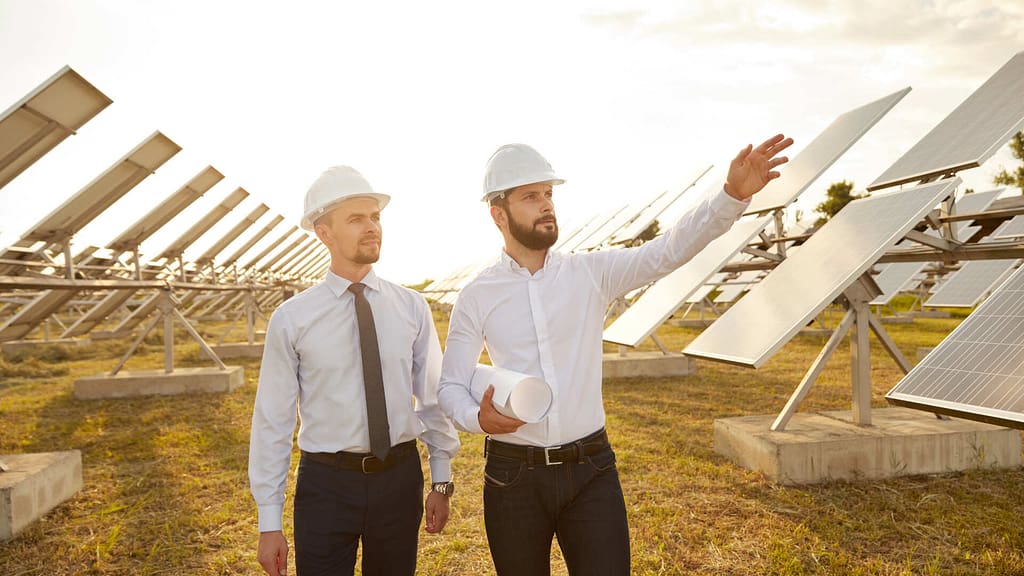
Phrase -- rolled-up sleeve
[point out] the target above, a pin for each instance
(273, 422)
(438, 433)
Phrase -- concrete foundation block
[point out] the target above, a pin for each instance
(930, 314)
(33, 485)
(693, 322)
(108, 334)
(238, 350)
(157, 382)
(19, 345)
(819, 447)
(647, 364)
(901, 319)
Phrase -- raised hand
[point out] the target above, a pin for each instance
(753, 168)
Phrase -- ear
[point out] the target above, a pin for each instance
(500, 217)
(323, 234)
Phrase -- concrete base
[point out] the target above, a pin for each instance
(35, 484)
(930, 314)
(157, 382)
(238, 350)
(647, 364)
(19, 345)
(901, 319)
(828, 446)
(923, 351)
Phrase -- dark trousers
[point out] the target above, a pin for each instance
(336, 507)
(580, 503)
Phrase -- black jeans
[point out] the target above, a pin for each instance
(581, 503)
(335, 507)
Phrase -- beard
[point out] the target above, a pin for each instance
(531, 236)
(367, 254)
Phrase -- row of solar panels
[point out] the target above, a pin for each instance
(61, 106)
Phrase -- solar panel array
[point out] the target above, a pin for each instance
(977, 372)
(801, 286)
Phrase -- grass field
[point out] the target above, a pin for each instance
(166, 490)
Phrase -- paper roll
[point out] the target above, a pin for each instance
(516, 395)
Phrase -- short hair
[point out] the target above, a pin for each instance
(500, 199)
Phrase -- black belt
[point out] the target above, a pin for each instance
(364, 462)
(550, 455)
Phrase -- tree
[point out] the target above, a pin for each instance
(839, 194)
(1016, 177)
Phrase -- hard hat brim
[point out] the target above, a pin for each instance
(311, 217)
(490, 195)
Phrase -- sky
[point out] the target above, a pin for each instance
(624, 98)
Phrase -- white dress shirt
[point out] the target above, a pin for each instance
(550, 324)
(312, 358)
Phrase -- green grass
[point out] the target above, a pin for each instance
(166, 490)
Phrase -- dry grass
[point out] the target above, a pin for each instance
(166, 489)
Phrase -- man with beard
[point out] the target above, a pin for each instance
(360, 358)
(541, 313)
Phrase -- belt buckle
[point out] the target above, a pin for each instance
(547, 456)
(363, 463)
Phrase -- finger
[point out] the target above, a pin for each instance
(284, 560)
(488, 394)
(777, 162)
(743, 153)
(773, 175)
(780, 146)
(770, 143)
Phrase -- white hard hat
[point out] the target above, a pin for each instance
(516, 165)
(334, 185)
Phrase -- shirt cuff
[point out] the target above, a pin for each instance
(270, 517)
(723, 203)
(440, 469)
(471, 420)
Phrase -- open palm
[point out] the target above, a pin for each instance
(753, 168)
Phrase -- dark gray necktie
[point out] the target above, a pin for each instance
(373, 379)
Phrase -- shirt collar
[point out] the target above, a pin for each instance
(509, 263)
(339, 285)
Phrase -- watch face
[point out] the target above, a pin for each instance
(446, 488)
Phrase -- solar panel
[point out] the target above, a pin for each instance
(565, 239)
(41, 120)
(1012, 229)
(977, 372)
(247, 221)
(821, 153)
(970, 283)
(166, 210)
(600, 235)
(178, 246)
(635, 227)
(106, 189)
(801, 286)
(893, 278)
(269, 248)
(588, 231)
(971, 134)
(253, 240)
(666, 295)
(732, 290)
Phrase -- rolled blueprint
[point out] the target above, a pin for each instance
(516, 395)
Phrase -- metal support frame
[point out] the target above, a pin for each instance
(858, 322)
(167, 305)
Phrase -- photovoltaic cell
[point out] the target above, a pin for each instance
(977, 372)
(971, 134)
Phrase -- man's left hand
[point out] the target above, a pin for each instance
(753, 168)
(436, 512)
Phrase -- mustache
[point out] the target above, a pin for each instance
(545, 220)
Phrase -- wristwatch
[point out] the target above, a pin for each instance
(446, 488)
